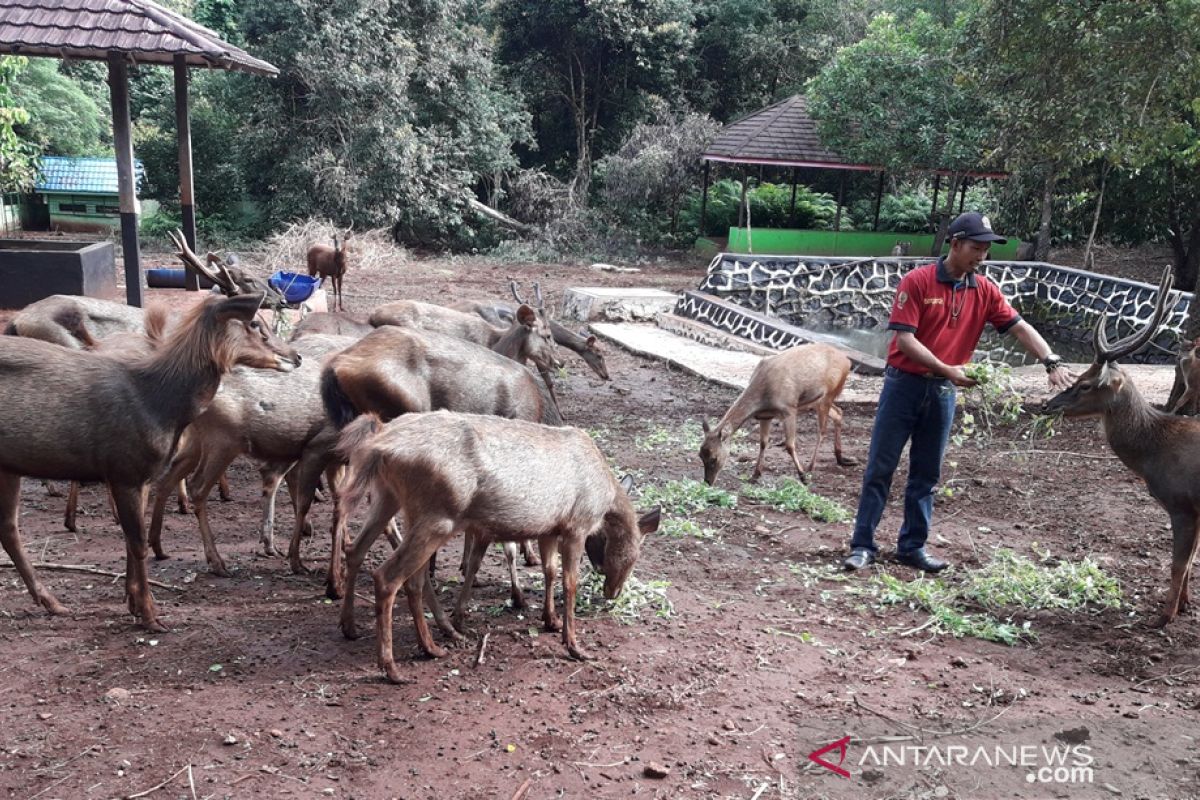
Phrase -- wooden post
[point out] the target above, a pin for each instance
(118, 83)
(937, 184)
(792, 208)
(183, 133)
(962, 198)
(704, 200)
(837, 219)
(878, 200)
(742, 202)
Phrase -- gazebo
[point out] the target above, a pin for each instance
(124, 32)
(783, 135)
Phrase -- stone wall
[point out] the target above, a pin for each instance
(830, 293)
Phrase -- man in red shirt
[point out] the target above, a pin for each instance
(938, 316)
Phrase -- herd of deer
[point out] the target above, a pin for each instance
(141, 399)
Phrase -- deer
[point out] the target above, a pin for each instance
(1189, 366)
(1161, 448)
(583, 344)
(75, 416)
(331, 323)
(330, 262)
(277, 420)
(527, 338)
(396, 371)
(499, 480)
(808, 376)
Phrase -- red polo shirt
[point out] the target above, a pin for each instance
(947, 317)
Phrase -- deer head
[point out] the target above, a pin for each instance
(1094, 392)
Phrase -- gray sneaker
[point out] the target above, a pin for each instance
(860, 557)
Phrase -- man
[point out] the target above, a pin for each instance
(938, 316)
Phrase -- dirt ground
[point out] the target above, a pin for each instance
(766, 657)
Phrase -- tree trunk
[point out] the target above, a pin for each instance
(1185, 244)
(1041, 250)
(939, 238)
(1087, 251)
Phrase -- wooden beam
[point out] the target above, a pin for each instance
(741, 218)
(183, 133)
(962, 199)
(792, 206)
(704, 200)
(837, 219)
(878, 200)
(118, 84)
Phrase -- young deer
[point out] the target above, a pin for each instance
(330, 262)
(395, 371)
(1163, 449)
(809, 376)
(496, 479)
(77, 416)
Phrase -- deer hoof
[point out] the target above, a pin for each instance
(52, 606)
(298, 567)
(333, 591)
(553, 624)
(394, 676)
(847, 461)
(154, 626)
(1161, 621)
(532, 560)
(220, 570)
(348, 631)
(578, 654)
(435, 651)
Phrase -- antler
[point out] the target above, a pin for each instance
(1106, 352)
(192, 261)
(537, 294)
(512, 285)
(213, 258)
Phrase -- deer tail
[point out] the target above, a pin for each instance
(156, 324)
(365, 462)
(338, 405)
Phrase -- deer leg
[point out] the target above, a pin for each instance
(764, 433)
(1185, 597)
(302, 483)
(51, 489)
(289, 478)
(186, 459)
(835, 414)
(822, 423)
(181, 494)
(272, 475)
(569, 547)
(789, 438)
(548, 379)
(392, 531)
(10, 538)
(214, 462)
(1183, 550)
(474, 547)
(131, 505)
(335, 574)
(72, 507)
(531, 558)
(424, 538)
(548, 545)
(510, 555)
(378, 516)
(223, 489)
(429, 592)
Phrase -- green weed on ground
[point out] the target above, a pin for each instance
(636, 598)
(1008, 582)
(678, 528)
(789, 494)
(683, 497)
(688, 435)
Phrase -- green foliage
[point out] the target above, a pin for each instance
(770, 205)
(684, 497)
(17, 156)
(635, 599)
(941, 602)
(679, 528)
(688, 435)
(993, 401)
(789, 494)
(64, 119)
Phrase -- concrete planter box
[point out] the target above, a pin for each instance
(32, 269)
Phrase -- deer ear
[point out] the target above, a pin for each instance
(627, 483)
(591, 342)
(704, 425)
(526, 315)
(240, 306)
(1109, 376)
(648, 522)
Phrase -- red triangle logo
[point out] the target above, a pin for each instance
(841, 745)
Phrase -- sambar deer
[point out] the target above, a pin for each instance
(71, 415)
(1163, 449)
(1189, 369)
(808, 376)
(395, 371)
(499, 480)
(330, 262)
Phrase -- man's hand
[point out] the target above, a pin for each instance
(958, 376)
(1060, 377)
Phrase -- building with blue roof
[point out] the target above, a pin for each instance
(80, 193)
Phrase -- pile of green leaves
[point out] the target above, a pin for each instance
(789, 494)
(992, 402)
(635, 599)
(686, 496)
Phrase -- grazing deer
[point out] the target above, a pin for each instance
(1163, 449)
(330, 262)
(496, 479)
(808, 376)
(75, 416)
(528, 337)
(1189, 369)
(276, 420)
(395, 371)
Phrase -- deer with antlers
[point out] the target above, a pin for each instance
(1163, 449)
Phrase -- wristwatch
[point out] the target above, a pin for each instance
(1052, 362)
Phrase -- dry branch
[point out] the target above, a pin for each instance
(90, 570)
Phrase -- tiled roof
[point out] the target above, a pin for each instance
(145, 31)
(782, 134)
(785, 135)
(80, 175)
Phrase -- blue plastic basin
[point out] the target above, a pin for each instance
(296, 287)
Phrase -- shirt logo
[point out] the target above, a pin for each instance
(987, 223)
(935, 301)
(901, 299)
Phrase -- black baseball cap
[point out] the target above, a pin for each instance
(975, 226)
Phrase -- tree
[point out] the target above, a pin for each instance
(18, 158)
(590, 67)
(64, 119)
(384, 113)
(897, 99)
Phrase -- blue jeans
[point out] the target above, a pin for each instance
(910, 408)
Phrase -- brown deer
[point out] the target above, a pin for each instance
(331, 323)
(808, 376)
(1189, 369)
(1163, 449)
(330, 262)
(75, 416)
(527, 338)
(496, 479)
(395, 371)
(277, 420)
(75, 322)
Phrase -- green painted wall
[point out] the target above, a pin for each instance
(777, 241)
